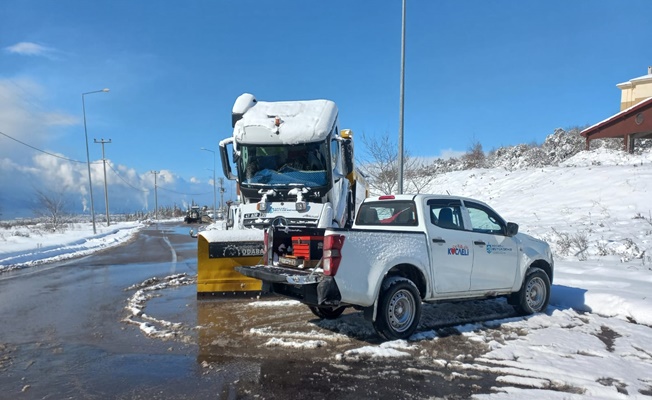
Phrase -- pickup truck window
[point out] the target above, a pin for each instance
(383, 213)
(484, 220)
(446, 214)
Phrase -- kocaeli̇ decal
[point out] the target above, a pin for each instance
(458, 250)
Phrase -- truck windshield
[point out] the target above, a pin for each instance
(302, 164)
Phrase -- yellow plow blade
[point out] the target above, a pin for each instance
(218, 253)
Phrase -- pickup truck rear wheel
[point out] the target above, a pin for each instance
(535, 293)
(327, 312)
(399, 309)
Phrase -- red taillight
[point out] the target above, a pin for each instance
(387, 197)
(332, 253)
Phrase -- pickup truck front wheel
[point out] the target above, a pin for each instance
(399, 309)
(327, 312)
(534, 294)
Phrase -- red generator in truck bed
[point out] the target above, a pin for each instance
(308, 247)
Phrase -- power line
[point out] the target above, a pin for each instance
(45, 152)
(126, 182)
(185, 194)
(97, 162)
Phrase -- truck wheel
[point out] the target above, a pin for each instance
(399, 309)
(534, 294)
(327, 312)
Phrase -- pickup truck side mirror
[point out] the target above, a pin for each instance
(512, 229)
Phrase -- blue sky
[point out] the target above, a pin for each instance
(501, 73)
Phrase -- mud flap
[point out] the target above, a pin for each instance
(327, 292)
(370, 312)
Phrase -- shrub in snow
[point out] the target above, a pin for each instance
(518, 157)
(562, 145)
(561, 243)
(22, 233)
(580, 241)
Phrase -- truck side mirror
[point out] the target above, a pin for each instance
(347, 150)
(512, 229)
(224, 156)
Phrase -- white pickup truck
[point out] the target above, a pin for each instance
(404, 250)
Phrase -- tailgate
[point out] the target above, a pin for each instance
(308, 287)
(275, 274)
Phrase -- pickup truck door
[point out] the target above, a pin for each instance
(495, 256)
(451, 252)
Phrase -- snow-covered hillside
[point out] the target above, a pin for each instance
(595, 210)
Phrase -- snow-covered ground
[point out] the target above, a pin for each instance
(594, 341)
(26, 246)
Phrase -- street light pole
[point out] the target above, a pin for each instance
(88, 157)
(214, 188)
(106, 189)
(402, 97)
(155, 195)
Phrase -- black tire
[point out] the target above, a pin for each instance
(534, 294)
(399, 309)
(327, 312)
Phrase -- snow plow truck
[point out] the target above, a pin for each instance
(294, 167)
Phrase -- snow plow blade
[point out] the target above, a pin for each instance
(218, 253)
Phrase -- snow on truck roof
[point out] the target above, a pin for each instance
(300, 121)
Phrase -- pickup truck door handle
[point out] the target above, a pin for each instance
(479, 243)
(438, 240)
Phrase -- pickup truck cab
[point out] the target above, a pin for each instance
(404, 250)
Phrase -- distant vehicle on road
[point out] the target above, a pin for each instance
(194, 215)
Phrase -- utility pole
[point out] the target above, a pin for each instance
(214, 183)
(88, 157)
(221, 193)
(155, 195)
(106, 190)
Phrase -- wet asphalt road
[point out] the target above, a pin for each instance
(63, 335)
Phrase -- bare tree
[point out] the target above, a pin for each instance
(52, 206)
(418, 175)
(474, 157)
(380, 166)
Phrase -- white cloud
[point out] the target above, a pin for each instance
(128, 189)
(24, 117)
(59, 119)
(450, 153)
(166, 177)
(30, 49)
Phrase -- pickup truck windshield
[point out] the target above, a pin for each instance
(382, 213)
(302, 164)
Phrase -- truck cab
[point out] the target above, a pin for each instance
(291, 160)
(293, 166)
